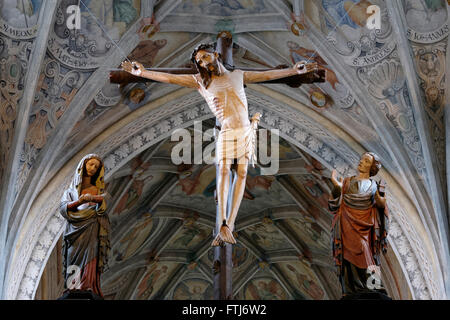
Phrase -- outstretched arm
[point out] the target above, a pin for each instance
(261, 76)
(137, 69)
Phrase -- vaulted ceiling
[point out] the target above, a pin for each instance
(385, 92)
(163, 217)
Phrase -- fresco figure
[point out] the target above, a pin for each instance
(124, 11)
(193, 289)
(135, 237)
(191, 236)
(308, 285)
(266, 236)
(130, 198)
(148, 283)
(20, 13)
(264, 290)
(147, 50)
(359, 227)
(350, 12)
(86, 238)
(224, 93)
(425, 15)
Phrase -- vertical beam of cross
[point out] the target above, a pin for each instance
(223, 266)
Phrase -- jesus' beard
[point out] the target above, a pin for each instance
(215, 68)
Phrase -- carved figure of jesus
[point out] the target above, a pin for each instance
(224, 93)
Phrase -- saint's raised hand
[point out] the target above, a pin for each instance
(334, 180)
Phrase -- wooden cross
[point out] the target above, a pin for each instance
(223, 264)
(123, 77)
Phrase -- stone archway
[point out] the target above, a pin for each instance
(44, 225)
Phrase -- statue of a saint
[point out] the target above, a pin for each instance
(86, 238)
(359, 227)
(224, 92)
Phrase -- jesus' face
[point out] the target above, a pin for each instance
(207, 60)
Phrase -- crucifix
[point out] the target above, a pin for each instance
(222, 86)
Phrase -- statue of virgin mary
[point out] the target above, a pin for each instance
(86, 237)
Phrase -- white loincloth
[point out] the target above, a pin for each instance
(237, 144)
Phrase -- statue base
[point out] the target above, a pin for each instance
(79, 295)
(366, 296)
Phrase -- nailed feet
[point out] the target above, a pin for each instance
(225, 235)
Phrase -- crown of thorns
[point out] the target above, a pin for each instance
(204, 46)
